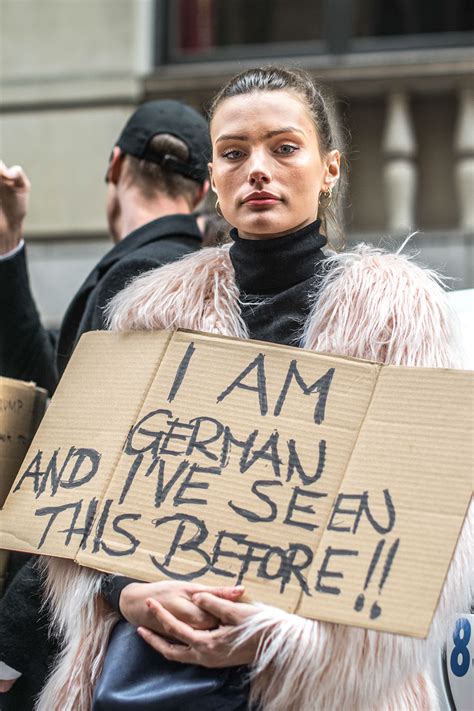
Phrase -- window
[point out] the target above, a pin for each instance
(408, 17)
(217, 29)
(404, 24)
(202, 30)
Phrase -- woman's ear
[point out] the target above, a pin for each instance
(333, 169)
(213, 185)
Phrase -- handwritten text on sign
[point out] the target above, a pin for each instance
(240, 466)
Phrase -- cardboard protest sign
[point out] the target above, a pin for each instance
(331, 487)
(22, 406)
(21, 409)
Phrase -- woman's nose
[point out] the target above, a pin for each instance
(259, 170)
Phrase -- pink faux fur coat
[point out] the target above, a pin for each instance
(370, 305)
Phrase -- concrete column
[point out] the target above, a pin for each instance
(464, 169)
(400, 172)
(144, 36)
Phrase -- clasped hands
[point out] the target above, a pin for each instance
(189, 623)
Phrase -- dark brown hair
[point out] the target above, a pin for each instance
(321, 110)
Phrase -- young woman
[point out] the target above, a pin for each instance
(275, 172)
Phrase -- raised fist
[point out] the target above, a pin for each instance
(14, 195)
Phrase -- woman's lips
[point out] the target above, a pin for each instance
(261, 200)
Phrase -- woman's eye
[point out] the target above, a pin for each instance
(233, 154)
(286, 149)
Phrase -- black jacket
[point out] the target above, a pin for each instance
(30, 352)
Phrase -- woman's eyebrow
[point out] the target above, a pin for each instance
(269, 134)
(229, 137)
(286, 129)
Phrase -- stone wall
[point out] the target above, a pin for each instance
(71, 72)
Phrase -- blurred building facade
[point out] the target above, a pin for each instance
(401, 73)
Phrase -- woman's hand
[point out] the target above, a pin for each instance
(176, 598)
(211, 648)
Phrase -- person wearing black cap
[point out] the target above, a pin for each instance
(157, 174)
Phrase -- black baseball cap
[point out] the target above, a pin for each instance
(177, 119)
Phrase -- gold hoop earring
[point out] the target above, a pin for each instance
(325, 198)
(218, 209)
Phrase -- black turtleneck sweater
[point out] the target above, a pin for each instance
(276, 278)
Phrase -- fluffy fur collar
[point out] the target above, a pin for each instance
(370, 304)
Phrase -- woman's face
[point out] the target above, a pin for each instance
(267, 169)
